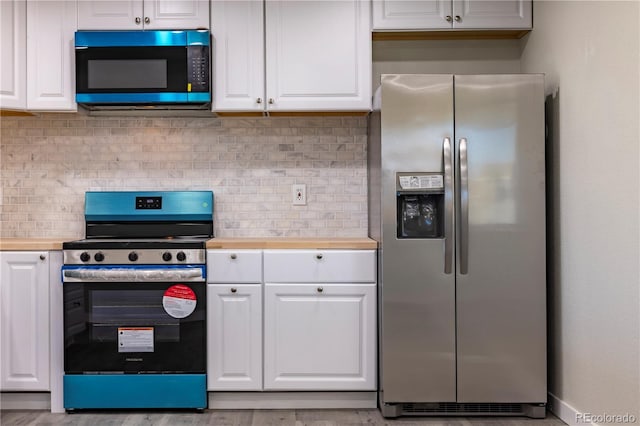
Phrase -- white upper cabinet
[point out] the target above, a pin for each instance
(143, 14)
(307, 56)
(13, 41)
(37, 55)
(50, 55)
(451, 14)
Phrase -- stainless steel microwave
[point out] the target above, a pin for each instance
(142, 68)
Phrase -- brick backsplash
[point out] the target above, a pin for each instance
(50, 160)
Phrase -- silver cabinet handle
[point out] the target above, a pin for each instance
(233, 256)
(458, 18)
(259, 100)
(147, 20)
(319, 256)
(271, 101)
(464, 207)
(233, 289)
(448, 205)
(138, 20)
(43, 257)
(320, 289)
(448, 18)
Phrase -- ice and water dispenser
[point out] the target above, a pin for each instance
(420, 205)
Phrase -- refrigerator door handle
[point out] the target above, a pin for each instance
(448, 205)
(464, 207)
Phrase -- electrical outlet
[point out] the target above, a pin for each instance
(299, 192)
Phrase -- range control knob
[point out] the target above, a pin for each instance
(99, 257)
(85, 257)
(181, 256)
(133, 256)
(166, 256)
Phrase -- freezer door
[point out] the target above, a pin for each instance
(417, 326)
(501, 320)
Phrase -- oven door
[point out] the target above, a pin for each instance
(134, 319)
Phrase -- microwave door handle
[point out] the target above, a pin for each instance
(464, 207)
(448, 205)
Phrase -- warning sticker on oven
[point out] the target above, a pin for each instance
(135, 339)
(179, 301)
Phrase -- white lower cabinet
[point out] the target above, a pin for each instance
(319, 337)
(24, 330)
(234, 344)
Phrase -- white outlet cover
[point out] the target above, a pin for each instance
(299, 194)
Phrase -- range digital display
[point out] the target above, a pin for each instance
(148, 203)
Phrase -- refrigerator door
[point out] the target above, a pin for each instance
(418, 296)
(500, 280)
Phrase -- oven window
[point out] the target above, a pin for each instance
(125, 328)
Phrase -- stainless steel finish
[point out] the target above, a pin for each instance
(457, 18)
(271, 101)
(132, 275)
(138, 20)
(145, 257)
(448, 205)
(320, 289)
(501, 311)
(319, 256)
(43, 257)
(417, 297)
(464, 207)
(147, 20)
(448, 18)
(233, 256)
(456, 341)
(233, 289)
(259, 100)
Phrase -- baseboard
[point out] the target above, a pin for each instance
(25, 400)
(565, 412)
(291, 400)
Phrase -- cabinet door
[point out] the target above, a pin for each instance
(13, 41)
(498, 14)
(320, 337)
(318, 55)
(24, 333)
(237, 28)
(234, 343)
(110, 15)
(173, 15)
(50, 55)
(411, 14)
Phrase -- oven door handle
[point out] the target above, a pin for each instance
(129, 274)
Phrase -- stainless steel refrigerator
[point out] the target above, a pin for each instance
(457, 204)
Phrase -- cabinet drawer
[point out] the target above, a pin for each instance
(319, 266)
(234, 266)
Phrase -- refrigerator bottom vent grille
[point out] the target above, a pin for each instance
(455, 408)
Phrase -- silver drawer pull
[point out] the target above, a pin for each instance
(233, 289)
(320, 289)
(319, 256)
(233, 256)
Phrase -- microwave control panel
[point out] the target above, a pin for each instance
(198, 68)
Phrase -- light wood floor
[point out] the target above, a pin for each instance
(253, 418)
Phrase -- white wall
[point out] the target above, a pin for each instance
(589, 51)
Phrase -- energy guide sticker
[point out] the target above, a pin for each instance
(135, 339)
(179, 301)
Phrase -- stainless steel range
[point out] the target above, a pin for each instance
(135, 302)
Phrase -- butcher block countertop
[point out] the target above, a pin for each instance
(292, 243)
(31, 244)
(36, 244)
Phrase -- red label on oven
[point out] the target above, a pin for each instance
(179, 301)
